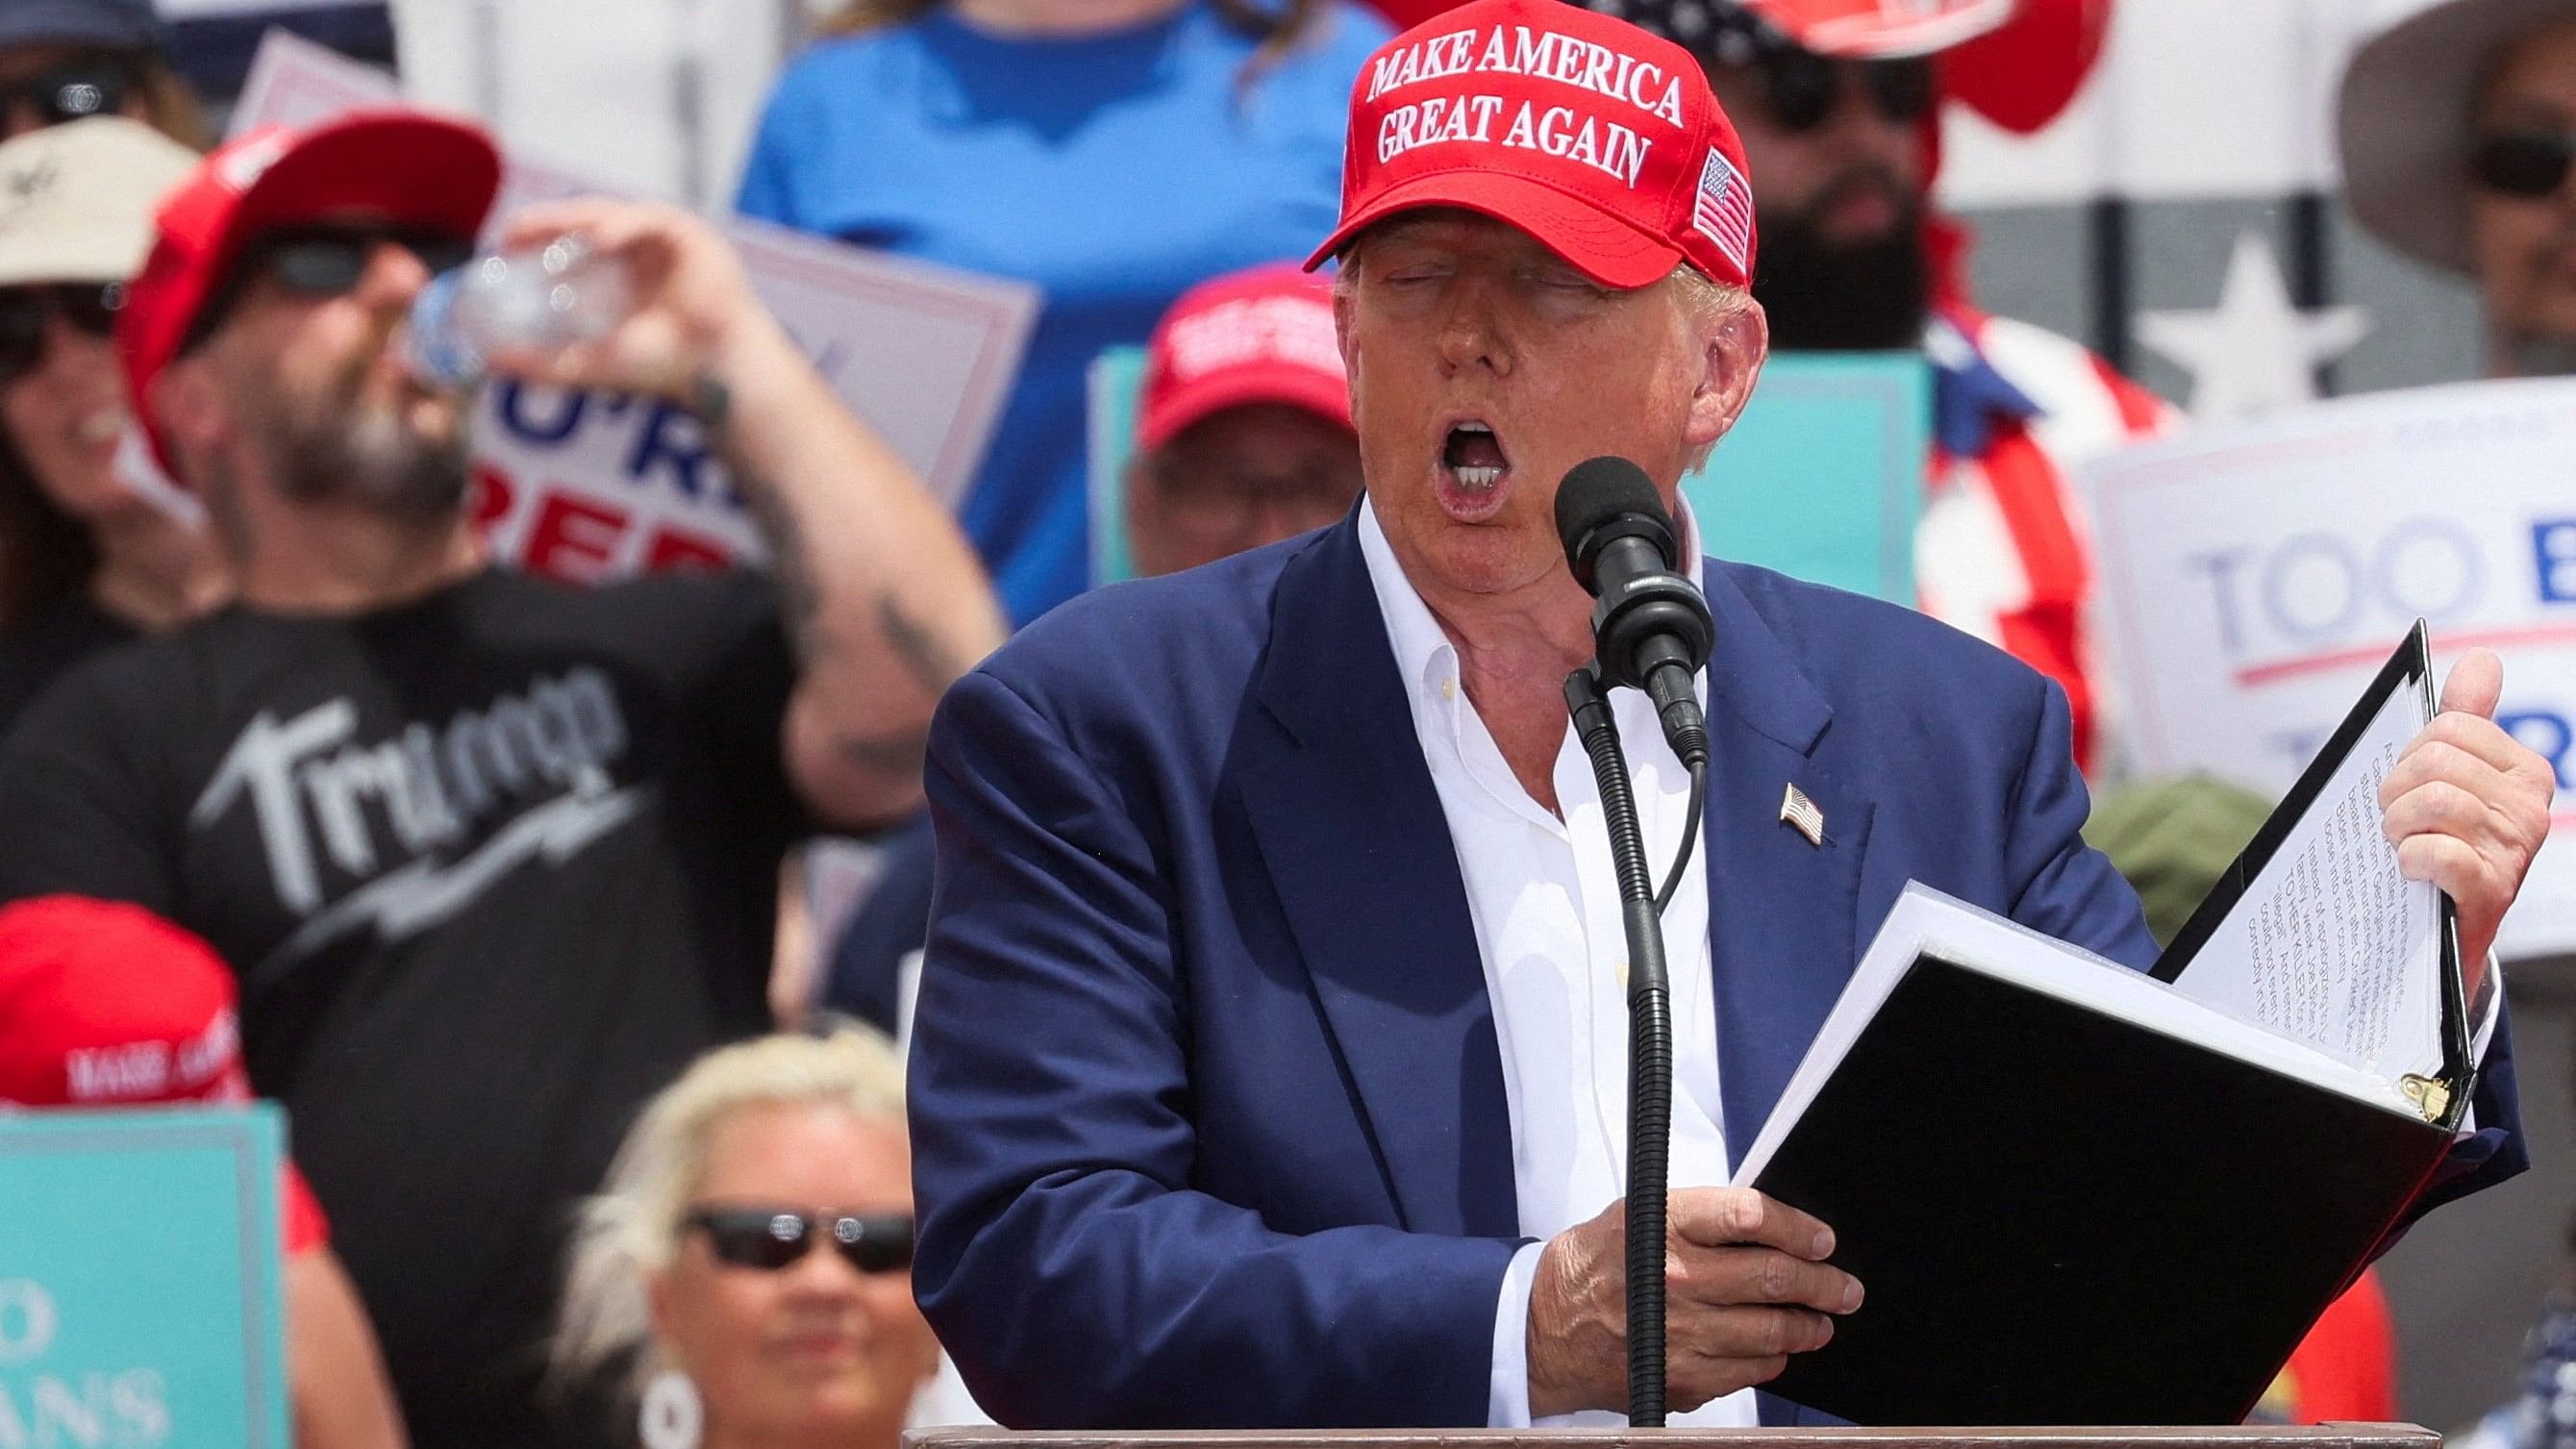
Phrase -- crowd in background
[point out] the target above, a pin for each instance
(259, 676)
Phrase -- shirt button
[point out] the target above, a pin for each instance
(1448, 689)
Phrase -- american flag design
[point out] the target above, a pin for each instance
(1891, 29)
(1724, 209)
(1800, 813)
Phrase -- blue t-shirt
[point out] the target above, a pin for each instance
(1114, 171)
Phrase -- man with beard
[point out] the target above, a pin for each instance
(1836, 101)
(493, 858)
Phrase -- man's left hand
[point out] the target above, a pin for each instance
(693, 308)
(2468, 807)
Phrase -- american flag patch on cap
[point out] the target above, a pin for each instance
(1724, 208)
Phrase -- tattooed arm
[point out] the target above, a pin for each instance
(883, 597)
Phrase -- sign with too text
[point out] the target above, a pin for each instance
(2254, 576)
(139, 1292)
(587, 486)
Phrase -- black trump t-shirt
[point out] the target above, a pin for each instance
(49, 643)
(491, 868)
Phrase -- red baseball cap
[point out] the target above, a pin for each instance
(1263, 335)
(104, 1004)
(1883, 29)
(393, 165)
(1600, 140)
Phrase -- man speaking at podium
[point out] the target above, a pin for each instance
(1270, 1064)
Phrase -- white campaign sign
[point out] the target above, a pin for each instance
(587, 486)
(2254, 577)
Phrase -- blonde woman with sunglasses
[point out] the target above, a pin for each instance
(745, 1272)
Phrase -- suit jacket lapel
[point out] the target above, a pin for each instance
(1358, 848)
(1782, 911)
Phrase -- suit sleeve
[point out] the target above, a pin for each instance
(2063, 886)
(2072, 893)
(2497, 1150)
(1067, 1263)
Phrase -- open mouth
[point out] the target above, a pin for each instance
(1474, 456)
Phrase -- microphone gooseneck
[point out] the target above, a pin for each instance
(1652, 631)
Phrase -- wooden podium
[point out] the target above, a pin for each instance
(2329, 1436)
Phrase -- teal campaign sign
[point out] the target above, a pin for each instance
(139, 1294)
(1822, 478)
(1117, 375)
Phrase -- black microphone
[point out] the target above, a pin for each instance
(1651, 628)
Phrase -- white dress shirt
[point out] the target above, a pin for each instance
(1545, 903)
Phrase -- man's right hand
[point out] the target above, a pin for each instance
(1746, 1286)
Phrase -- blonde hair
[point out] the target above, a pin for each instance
(628, 1233)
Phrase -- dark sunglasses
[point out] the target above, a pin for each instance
(771, 1239)
(88, 307)
(2523, 163)
(321, 262)
(71, 91)
(1802, 89)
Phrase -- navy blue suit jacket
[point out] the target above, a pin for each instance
(1207, 1106)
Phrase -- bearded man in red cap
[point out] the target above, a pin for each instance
(1270, 1064)
(493, 858)
(1837, 103)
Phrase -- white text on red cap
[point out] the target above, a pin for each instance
(1248, 329)
(151, 1070)
(1607, 145)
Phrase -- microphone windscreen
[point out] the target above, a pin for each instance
(1596, 492)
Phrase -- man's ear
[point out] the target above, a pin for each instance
(1342, 315)
(1733, 346)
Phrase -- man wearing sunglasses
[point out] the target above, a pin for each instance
(493, 858)
(1837, 101)
(2458, 134)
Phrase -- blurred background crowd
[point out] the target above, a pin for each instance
(2095, 225)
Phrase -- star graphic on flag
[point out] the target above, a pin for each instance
(2255, 352)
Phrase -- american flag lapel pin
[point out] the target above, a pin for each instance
(1800, 813)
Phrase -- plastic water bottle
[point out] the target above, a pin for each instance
(534, 300)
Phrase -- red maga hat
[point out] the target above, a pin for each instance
(1883, 29)
(1259, 336)
(387, 164)
(1600, 140)
(104, 1004)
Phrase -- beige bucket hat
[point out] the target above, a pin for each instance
(76, 200)
(2405, 121)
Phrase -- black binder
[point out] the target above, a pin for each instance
(2064, 1217)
